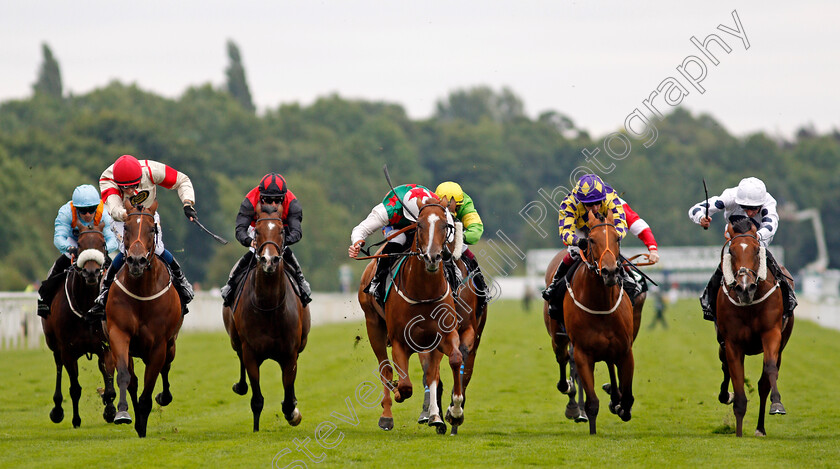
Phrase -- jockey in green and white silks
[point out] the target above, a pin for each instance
(398, 209)
(749, 199)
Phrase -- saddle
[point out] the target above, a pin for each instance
(240, 283)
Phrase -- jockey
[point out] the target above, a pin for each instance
(273, 195)
(466, 213)
(83, 211)
(398, 209)
(748, 200)
(136, 181)
(639, 227)
(590, 194)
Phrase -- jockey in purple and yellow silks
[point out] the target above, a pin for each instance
(590, 194)
(397, 210)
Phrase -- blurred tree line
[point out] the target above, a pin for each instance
(332, 153)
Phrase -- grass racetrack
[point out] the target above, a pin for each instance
(514, 413)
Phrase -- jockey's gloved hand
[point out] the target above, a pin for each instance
(189, 211)
(582, 244)
(73, 251)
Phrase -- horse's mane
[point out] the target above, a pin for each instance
(269, 209)
(741, 226)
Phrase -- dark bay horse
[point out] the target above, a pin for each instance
(599, 320)
(419, 316)
(67, 333)
(749, 322)
(143, 317)
(472, 316)
(267, 320)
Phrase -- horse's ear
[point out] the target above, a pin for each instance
(451, 205)
(728, 232)
(154, 206)
(128, 206)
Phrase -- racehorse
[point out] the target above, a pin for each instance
(267, 320)
(67, 333)
(599, 320)
(419, 316)
(472, 316)
(750, 321)
(143, 317)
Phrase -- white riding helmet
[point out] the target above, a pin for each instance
(412, 199)
(751, 192)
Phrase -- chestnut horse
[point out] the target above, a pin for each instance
(750, 321)
(143, 317)
(267, 320)
(599, 320)
(564, 353)
(67, 333)
(471, 321)
(419, 316)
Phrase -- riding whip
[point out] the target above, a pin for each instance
(707, 201)
(215, 236)
(633, 266)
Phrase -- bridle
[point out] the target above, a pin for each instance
(729, 277)
(269, 242)
(151, 249)
(79, 236)
(450, 230)
(596, 265)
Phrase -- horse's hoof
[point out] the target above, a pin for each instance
(437, 422)
(569, 386)
(727, 399)
(607, 388)
(454, 421)
(454, 431)
(776, 408)
(760, 433)
(109, 413)
(122, 417)
(77, 422)
(386, 423)
(624, 414)
(57, 414)
(581, 418)
(240, 388)
(572, 411)
(295, 418)
(614, 407)
(424, 417)
(162, 399)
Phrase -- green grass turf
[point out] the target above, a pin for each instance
(514, 414)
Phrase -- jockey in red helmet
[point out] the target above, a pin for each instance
(272, 194)
(134, 181)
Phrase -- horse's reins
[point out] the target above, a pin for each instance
(758, 279)
(76, 268)
(595, 267)
(149, 261)
(280, 250)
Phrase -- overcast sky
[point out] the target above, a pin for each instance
(594, 61)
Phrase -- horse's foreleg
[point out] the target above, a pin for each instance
(613, 390)
(625, 383)
(289, 405)
(133, 384)
(433, 376)
(771, 342)
(725, 396)
(424, 363)
(586, 371)
(377, 336)
(455, 412)
(164, 398)
(763, 392)
(57, 413)
(735, 359)
(252, 366)
(72, 367)
(106, 367)
(119, 350)
(401, 355)
(574, 378)
(241, 387)
(154, 364)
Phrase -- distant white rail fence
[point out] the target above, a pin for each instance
(20, 326)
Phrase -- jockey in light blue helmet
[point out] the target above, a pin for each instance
(84, 210)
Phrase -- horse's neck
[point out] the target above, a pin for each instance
(82, 294)
(269, 289)
(592, 291)
(431, 285)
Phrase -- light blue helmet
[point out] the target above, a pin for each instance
(85, 196)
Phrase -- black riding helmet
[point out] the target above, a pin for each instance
(272, 185)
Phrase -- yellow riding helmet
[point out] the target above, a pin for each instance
(450, 190)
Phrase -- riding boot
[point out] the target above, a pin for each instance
(478, 278)
(555, 291)
(707, 301)
(383, 266)
(788, 295)
(96, 314)
(49, 286)
(631, 285)
(236, 274)
(305, 289)
(182, 286)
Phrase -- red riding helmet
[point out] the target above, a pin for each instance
(127, 171)
(272, 184)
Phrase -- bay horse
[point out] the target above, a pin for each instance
(472, 317)
(267, 320)
(749, 322)
(143, 317)
(419, 316)
(599, 320)
(68, 334)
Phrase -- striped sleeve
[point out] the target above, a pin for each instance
(617, 210)
(110, 193)
(567, 219)
(169, 178)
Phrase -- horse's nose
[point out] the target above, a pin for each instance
(752, 288)
(275, 260)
